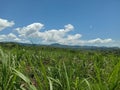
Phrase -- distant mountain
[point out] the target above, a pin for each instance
(81, 47)
(57, 45)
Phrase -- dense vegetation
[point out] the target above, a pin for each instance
(51, 68)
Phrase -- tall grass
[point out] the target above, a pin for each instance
(47, 68)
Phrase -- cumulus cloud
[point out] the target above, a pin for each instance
(56, 36)
(33, 33)
(10, 37)
(30, 29)
(98, 40)
(5, 23)
(74, 37)
(2, 37)
(69, 27)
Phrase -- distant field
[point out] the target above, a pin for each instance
(53, 68)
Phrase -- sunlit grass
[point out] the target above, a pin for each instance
(48, 68)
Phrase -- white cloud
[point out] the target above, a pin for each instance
(30, 29)
(69, 27)
(9, 37)
(56, 35)
(5, 23)
(33, 33)
(74, 37)
(2, 37)
(61, 36)
(98, 40)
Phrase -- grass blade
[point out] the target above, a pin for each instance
(27, 80)
(66, 76)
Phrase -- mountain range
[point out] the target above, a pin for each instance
(58, 46)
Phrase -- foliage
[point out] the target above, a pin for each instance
(52, 68)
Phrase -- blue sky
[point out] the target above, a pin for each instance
(73, 22)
